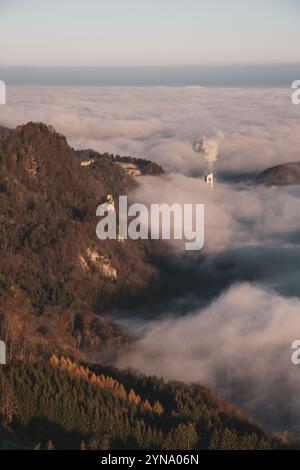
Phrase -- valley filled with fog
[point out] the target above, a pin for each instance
(236, 329)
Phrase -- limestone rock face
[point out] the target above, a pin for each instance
(102, 263)
(130, 168)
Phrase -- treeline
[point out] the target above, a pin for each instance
(107, 383)
(61, 404)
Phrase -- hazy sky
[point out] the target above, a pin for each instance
(148, 32)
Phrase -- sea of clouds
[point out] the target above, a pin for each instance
(240, 342)
(260, 126)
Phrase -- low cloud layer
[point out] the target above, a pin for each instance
(235, 215)
(260, 126)
(240, 346)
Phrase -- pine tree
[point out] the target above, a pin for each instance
(157, 408)
(214, 442)
(263, 444)
(82, 445)
(94, 378)
(183, 437)
(146, 407)
(50, 445)
(229, 440)
(7, 400)
(54, 361)
(122, 392)
(132, 396)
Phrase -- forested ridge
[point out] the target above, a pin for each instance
(62, 404)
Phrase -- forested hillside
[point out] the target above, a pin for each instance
(56, 277)
(62, 404)
(57, 283)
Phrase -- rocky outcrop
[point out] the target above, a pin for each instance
(132, 166)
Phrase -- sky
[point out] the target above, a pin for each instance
(100, 33)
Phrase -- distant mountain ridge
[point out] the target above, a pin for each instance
(281, 175)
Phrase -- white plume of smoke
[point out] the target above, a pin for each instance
(209, 148)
